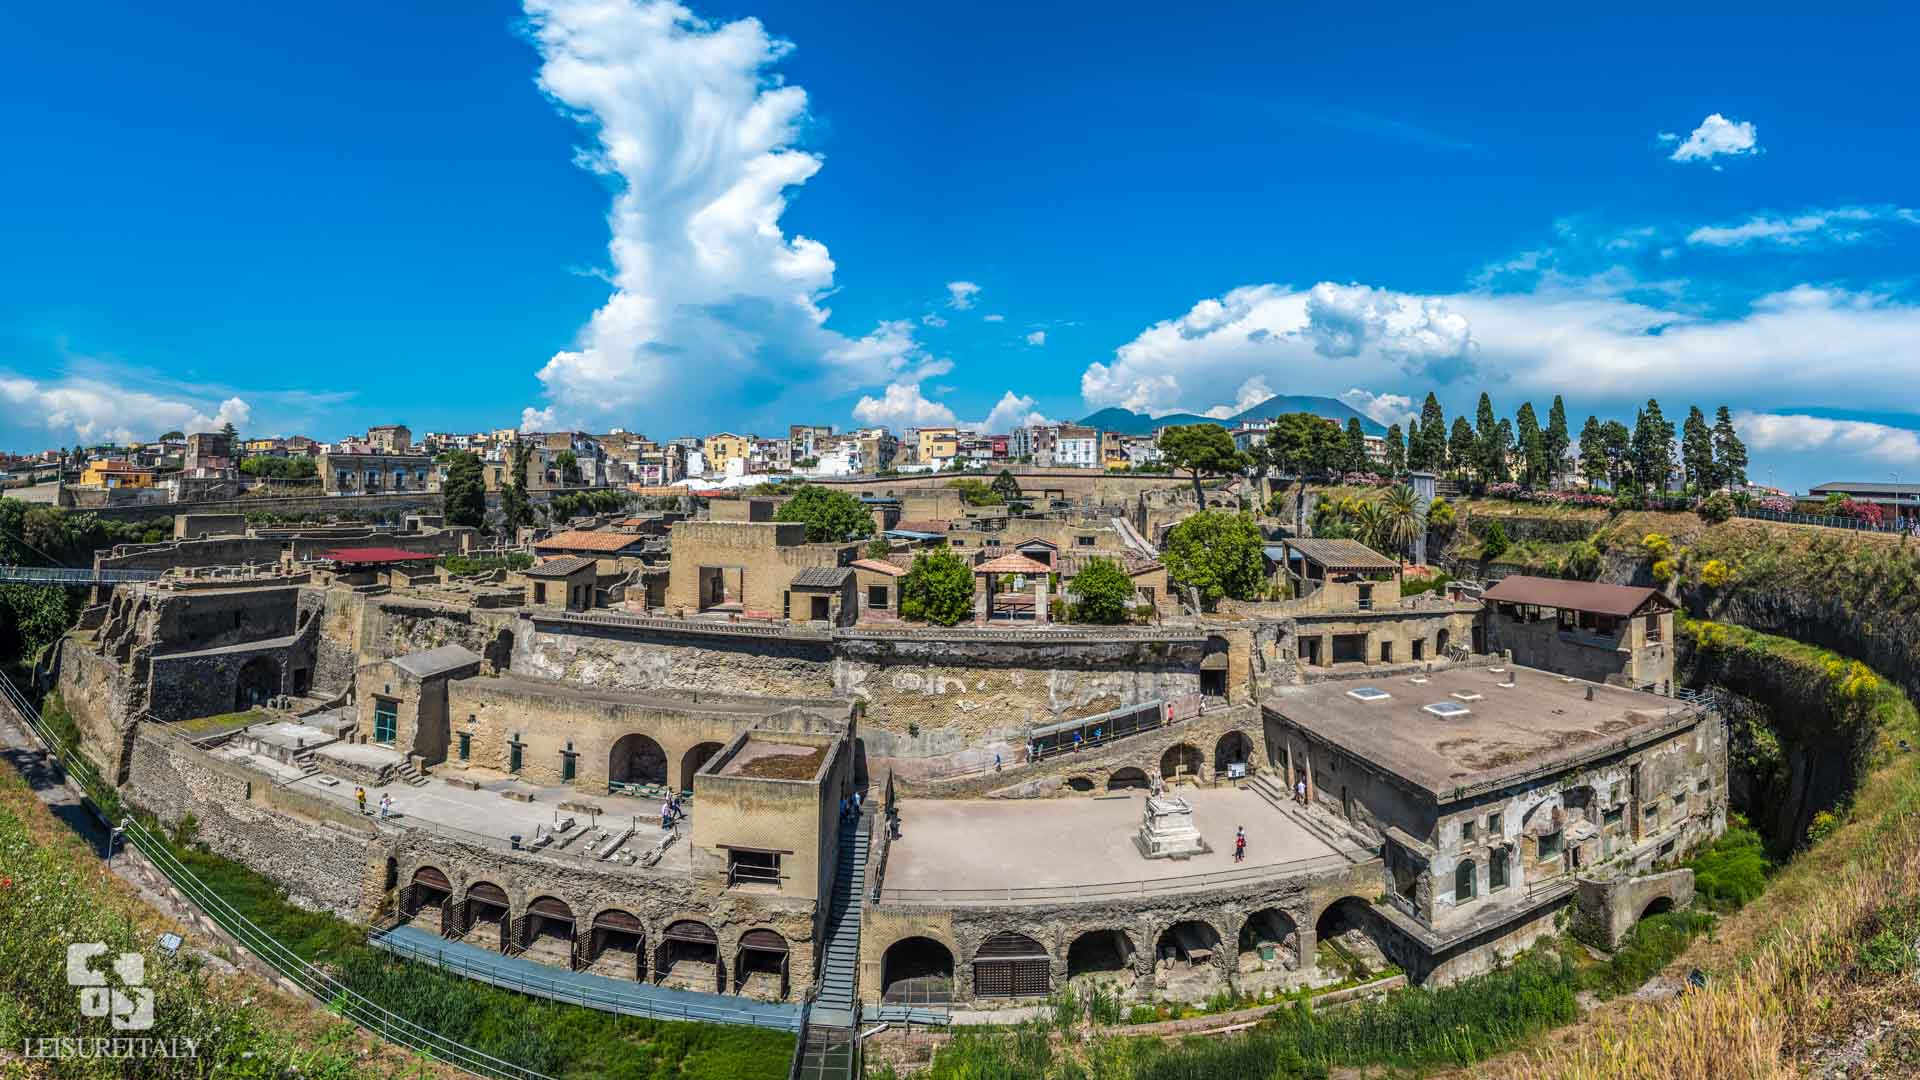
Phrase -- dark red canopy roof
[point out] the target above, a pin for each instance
(368, 555)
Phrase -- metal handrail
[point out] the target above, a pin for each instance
(1116, 889)
(658, 1007)
(315, 981)
(40, 575)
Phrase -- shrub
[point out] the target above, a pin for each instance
(831, 516)
(1494, 542)
(1657, 545)
(1583, 561)
(1716, 573)
(1440, 517)
(1715, 508)
(938, 588)
(1101, 592)
(1651, 945)
(1731, 871)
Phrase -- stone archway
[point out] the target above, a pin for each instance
(693, 759)
(1233, 748)
(918, 971)
(1101, 952)
(1350, 936)
(1659, 905)
(1128, 779)
(1187, 959)
(1012, 965)
(1269, 938)
(637, 759)
(258, 680)
(1182, 761)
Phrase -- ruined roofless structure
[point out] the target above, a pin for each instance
(629, 761)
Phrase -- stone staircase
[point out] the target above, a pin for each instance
(827, 1053)
(1334, 833)
(840, 971)
(304, 762)
(410, 773)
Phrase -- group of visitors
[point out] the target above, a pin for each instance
(671, 812)
(386, 802)
(850, 806)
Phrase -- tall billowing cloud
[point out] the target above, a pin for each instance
(715, 309)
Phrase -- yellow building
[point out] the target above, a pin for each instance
(939, 445)
(1113, 451)
(725, 447)
(116, 474)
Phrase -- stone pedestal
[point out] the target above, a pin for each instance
(1167, 831)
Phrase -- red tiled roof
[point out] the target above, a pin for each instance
(372, 555)
(879, 566)
(925, 525)
(1011, 563)
(589, 541)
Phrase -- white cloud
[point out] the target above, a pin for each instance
(532, 419)
(1010, 412)
(93, 411)
(1038, 337)
(993, 318)
(713, 303)
(1251, 393)
(902, 405)
(1388, 409)
(1836, 226)
(1716, 135)
(933, 320)
(1801, 434)
(960, 294)
(1599, 348)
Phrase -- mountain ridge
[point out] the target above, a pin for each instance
(1126, 422)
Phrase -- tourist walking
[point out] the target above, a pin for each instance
(857, 797)
(360, 797)
(843, 808)
(1240, 844)
(666, 815)
(386, 806)
(1300, 791)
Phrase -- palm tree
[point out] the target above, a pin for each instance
(1400, 518)
(1369, 523)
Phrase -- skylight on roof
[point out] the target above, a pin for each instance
(1448, 710)
(1368, 693)
(1468, 695)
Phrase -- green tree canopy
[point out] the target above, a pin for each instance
(976, 492)
(171, 436)
(1355, 458)
(831, 516)
(1217, 553)
(1433, 433)
(937, 588)
(1696, 451)
(1102, 593)
(1200, 449)
(1652, 447)
(516, 510)
(463, 495)
(1396, 451)
(1593, 453)
(1729, 453)
(1006, 486)
(279, 468)
(1558, 440)
(1461, 447)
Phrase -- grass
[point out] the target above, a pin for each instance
(557, 1039)
(1802, 964)
(53, 891)
(550, 1037)
(1731, 872)
(482, 564)
(1411, 1029)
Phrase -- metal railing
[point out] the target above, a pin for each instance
(660, 1005)
(340, 997)
(1110, 890)
(41, 575)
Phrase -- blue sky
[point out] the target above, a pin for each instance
(598, 212)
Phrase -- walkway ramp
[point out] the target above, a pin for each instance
(623, 996)
(841, 972)
(43, 575)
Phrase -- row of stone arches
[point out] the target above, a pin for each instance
(636, 758)
(924, 970)
(685, 953)
(1183, 761)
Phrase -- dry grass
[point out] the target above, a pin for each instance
(1784, 972)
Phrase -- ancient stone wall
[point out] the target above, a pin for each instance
(326, 857)
(658, 654)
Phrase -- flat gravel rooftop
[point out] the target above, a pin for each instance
(1543, 719)
(985, 844)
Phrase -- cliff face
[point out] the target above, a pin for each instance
(1798, 742)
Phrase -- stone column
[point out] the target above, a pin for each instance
(980, 601)
(1040, 613)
